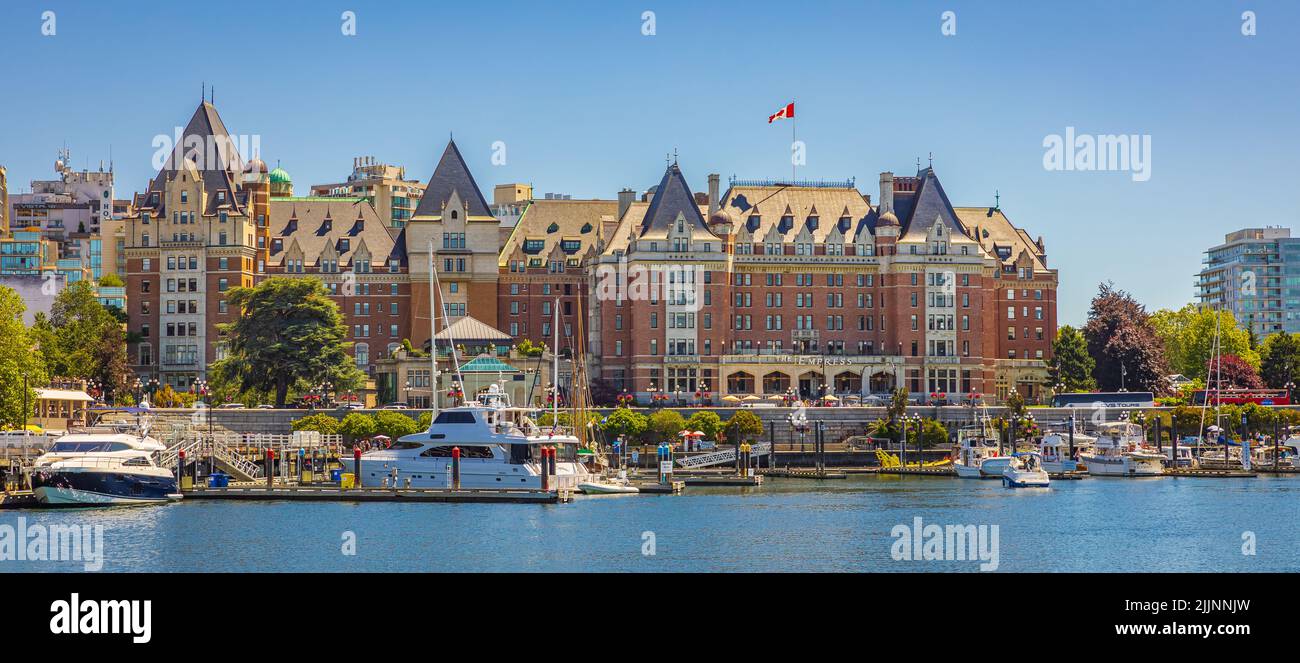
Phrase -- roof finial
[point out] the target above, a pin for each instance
(932, 159)
(997, 200)
(674, 156)
(918, 164)
(203, 91)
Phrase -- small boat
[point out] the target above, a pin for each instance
(1025, 470)
(612, 486)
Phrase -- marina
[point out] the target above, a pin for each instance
(783, 525)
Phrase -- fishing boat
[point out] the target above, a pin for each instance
(1025, 470)
(1119, 452)
(1055, 451)
(972, 450)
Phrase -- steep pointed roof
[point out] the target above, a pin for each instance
(450, 175)
(672, 197)
(205, 127)
(929, 203)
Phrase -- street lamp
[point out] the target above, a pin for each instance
(910, 420)
(201, 388)
(407, 400)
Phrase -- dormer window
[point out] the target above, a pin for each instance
(344, 244)
(327, 225)
(221, 196)
(185, 197)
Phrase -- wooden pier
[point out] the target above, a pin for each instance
(335, 494)
(672, 488)
(802, 473)
(1208, 473)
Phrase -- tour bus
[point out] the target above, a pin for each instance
(1119, 399)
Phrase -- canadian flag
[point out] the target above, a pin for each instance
(788, 111)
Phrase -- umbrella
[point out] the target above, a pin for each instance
(731, 399)
(752, 397)
(776, 397)
(831, 398)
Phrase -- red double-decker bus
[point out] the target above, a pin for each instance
(1239, 396)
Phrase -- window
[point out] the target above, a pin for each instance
(222, 284)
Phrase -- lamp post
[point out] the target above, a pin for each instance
(407, 398)
(201, 389)
(910, 421)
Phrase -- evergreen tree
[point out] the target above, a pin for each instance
(1071, 365)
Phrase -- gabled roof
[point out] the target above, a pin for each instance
(829, 204)
(450, 175)
(206, 127)
(991, 228)
(313, 239)
(672, 197)
(573, 220)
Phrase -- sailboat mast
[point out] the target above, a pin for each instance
(555, 367)
(433, 339)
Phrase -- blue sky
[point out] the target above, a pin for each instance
(586, 104)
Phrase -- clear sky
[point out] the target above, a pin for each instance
(586, 104)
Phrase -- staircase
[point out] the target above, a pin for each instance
(238, 466)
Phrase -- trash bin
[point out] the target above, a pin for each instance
(336, 474)
(218, 480)
(346, 481)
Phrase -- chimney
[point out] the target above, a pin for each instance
(714, 179)
(886, 192)
(625, 198)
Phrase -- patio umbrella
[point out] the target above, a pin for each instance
(831, 398)
(776, 397)
(731, 399)
(752, 397)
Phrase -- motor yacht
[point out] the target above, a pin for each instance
(1119, 452)
(103, 466)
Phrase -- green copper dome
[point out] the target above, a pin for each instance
(279, 176)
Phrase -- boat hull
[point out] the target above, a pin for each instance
(1124, 466)
(994, 467)
(102, 488)
(597, 488)
(1062, 466)
(1017, 479)
(967, 471)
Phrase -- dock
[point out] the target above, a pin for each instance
(723, 481)
(1269, 469)
(1209, 474)
(817, 475)
(944, 471)
(22, 499)
(336, 494)
(1067, 476)
(654, 488)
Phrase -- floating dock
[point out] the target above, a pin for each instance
(671, 488)
(804, 474)
(1209, 474)
(22, 499)
(1067, 476)
(944, 471)
(721, 481)
(335, 494)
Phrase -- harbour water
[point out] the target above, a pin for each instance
(1104, 525)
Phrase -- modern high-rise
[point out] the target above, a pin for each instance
(1255, 274)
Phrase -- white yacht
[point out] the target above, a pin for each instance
(1055, 451)
(974, 447)
(103, 467)
(500, 448)
(1119, 452)
(1025, 470)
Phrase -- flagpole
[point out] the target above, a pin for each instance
(794, 123)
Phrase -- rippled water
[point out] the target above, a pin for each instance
(786, 525)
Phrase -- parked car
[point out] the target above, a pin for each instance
(396, 406)
(266, 407)
(232, 406)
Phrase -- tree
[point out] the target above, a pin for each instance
(358, 425)
(1280, 360)
(933, 433)
(1071, 365)
(19, 357)
(112, 371)
(625, 423)
(1124, 345)
(111, 280)
(707, 422)
(664, 426)
(1188, 338)
(73, 338)
(897, 407)
(425, 420)
(528, 348)
(321, 423)
(289, 330)
(743, 426)
(1232, 372)
(394, 424)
